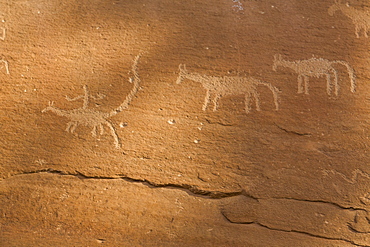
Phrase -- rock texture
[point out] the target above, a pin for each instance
(184, 123)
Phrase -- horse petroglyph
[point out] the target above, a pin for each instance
(315, 67)
(226, 85)
(92, 118)
(360, 18)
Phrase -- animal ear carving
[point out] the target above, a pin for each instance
(182, 67)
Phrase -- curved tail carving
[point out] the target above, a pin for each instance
(129, 97)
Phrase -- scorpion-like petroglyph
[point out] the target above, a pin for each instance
(92, 118)
(360, 18)
(315, 67)
(227, 85)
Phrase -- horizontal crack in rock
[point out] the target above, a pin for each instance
(316, 201)
(190, 189)
(310, 234)
(290, 231)
(293, 132)
(193, 190)
(219, 123)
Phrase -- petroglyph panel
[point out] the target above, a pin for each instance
(233, 141)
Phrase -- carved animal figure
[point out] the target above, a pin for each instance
(222, 86)
(315, 67)
(360, 18)
(92, 118)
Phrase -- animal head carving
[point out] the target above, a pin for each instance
(277, 59)
(50, 107)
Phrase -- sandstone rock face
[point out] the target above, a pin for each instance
(184, 123)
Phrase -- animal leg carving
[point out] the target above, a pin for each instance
(257, 100)
(336, 85)
(2, 37)
(206, 100)
(69, 124)
(74, 126)
(6, 66)
(215, 102)
(93, 132)
(247, 102)
(357, 31)
(306, 85)
(114, 134)
(101, 129)
(328, 84)
(300, 86)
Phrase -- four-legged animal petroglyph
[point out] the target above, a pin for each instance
(315, 67)
(226, 85)
(91, 117)
(360, 18)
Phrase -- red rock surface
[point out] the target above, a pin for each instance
(169, 168)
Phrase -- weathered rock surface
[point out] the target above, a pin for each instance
(52, 210)
(184, 123)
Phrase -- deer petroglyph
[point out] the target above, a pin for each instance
(227, 85)
(315, 67)
(360, 18)
(92, 118)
